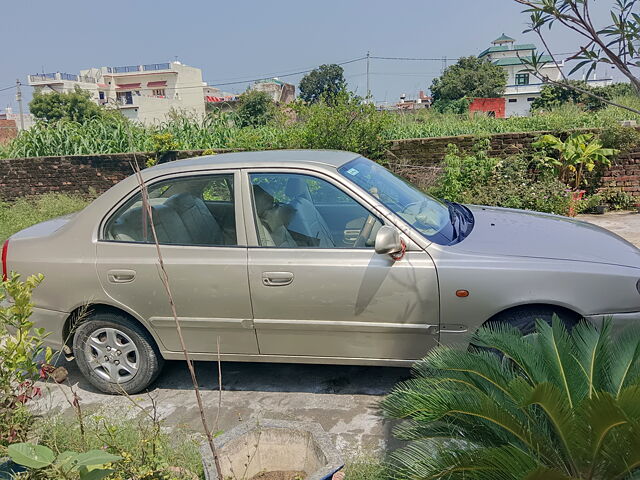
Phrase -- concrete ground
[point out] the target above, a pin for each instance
(344, 400)
(625, 224)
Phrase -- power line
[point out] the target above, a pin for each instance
(7, 88)
(280, 76)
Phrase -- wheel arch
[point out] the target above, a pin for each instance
(554, 308)
(84, 311)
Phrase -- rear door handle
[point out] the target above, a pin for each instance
(277, 279)
(121, 276)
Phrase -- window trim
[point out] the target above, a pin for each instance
(241, 237)
(523, 75)
(250, 217)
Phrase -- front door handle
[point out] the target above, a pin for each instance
(277, 279)
(121, 276)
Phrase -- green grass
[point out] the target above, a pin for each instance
(25, 212)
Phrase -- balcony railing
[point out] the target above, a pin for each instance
(70, 77)
(150, 67)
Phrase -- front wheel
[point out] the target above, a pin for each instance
(115, 354)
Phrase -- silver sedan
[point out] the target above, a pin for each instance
(306, 257)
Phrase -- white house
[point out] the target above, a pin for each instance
(522, 86)
(145, 93)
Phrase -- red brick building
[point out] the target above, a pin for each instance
(493, 107)
(8, 131)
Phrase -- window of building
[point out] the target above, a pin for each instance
(196, 210)
(530, 99)
(522, 79)
(158, 92)
(301, 211)
(101, 95)
(513, 100)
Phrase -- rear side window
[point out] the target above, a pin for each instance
(185, 211)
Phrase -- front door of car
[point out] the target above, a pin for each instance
(199, 224)
(318, 288)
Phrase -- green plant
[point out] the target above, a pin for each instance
(88, 465)
(579, 153)
(469, 77)
(623, 139)
(75, 106)
(255, 109)
(148, 449)
(462, 170)
(20, 345)
(552, 405)
(616, 199)
(346, 124)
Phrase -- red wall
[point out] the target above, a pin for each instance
(497, 105)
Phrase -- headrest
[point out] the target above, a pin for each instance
(264, 201)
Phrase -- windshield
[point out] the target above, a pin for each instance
(429, 216)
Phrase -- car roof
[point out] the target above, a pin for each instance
(265, 158)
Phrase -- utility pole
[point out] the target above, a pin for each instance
(444, 65)
(368, 90)
(19, 100)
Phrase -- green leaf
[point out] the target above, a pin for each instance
(96, 457)
(95, 474)
(30, 455)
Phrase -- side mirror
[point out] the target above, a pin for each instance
(388, 241)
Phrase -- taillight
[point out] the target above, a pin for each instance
(5, 249)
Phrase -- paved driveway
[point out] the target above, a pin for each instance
(342, 399)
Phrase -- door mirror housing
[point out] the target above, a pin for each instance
(388, 241)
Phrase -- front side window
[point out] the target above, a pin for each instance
(302, 211)
(522, 79)
(196, 210)
(427, 215)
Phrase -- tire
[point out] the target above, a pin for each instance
(524, 319)
(114, 353)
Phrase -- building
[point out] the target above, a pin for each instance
(27, 119)
(522, 86)
(145, 93)
(423, 101)
(279, 91)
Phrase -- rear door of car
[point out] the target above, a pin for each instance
(207, 272)
(334, 301)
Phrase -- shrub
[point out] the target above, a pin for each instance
(624, 139)
(346, 124)
(511, 183)
(20, 346)
(147, 449)
(553, 405)
(31, 210)
(255, 109)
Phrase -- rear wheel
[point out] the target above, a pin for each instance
(115, 354)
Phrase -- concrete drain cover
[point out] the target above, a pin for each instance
(261, 446)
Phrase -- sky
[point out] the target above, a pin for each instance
(245, 40)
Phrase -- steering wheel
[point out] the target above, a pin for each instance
(364, 234)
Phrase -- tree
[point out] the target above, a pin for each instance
(326, 81)
(553, 95)
(76, 106)
(255, 108)
(552, 405)
(469, 77)
(615, 44)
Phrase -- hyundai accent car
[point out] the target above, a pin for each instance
(305, 257)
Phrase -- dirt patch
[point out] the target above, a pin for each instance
(280, 475)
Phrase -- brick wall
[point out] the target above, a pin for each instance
(8, 131)
(418, 159)
(78, 174)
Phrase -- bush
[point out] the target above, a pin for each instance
(552, 405)
(148, 451)
(255, 109)
(19, 349)
(511, 183)
(346, 124)
(624, 139)
(31, 210)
